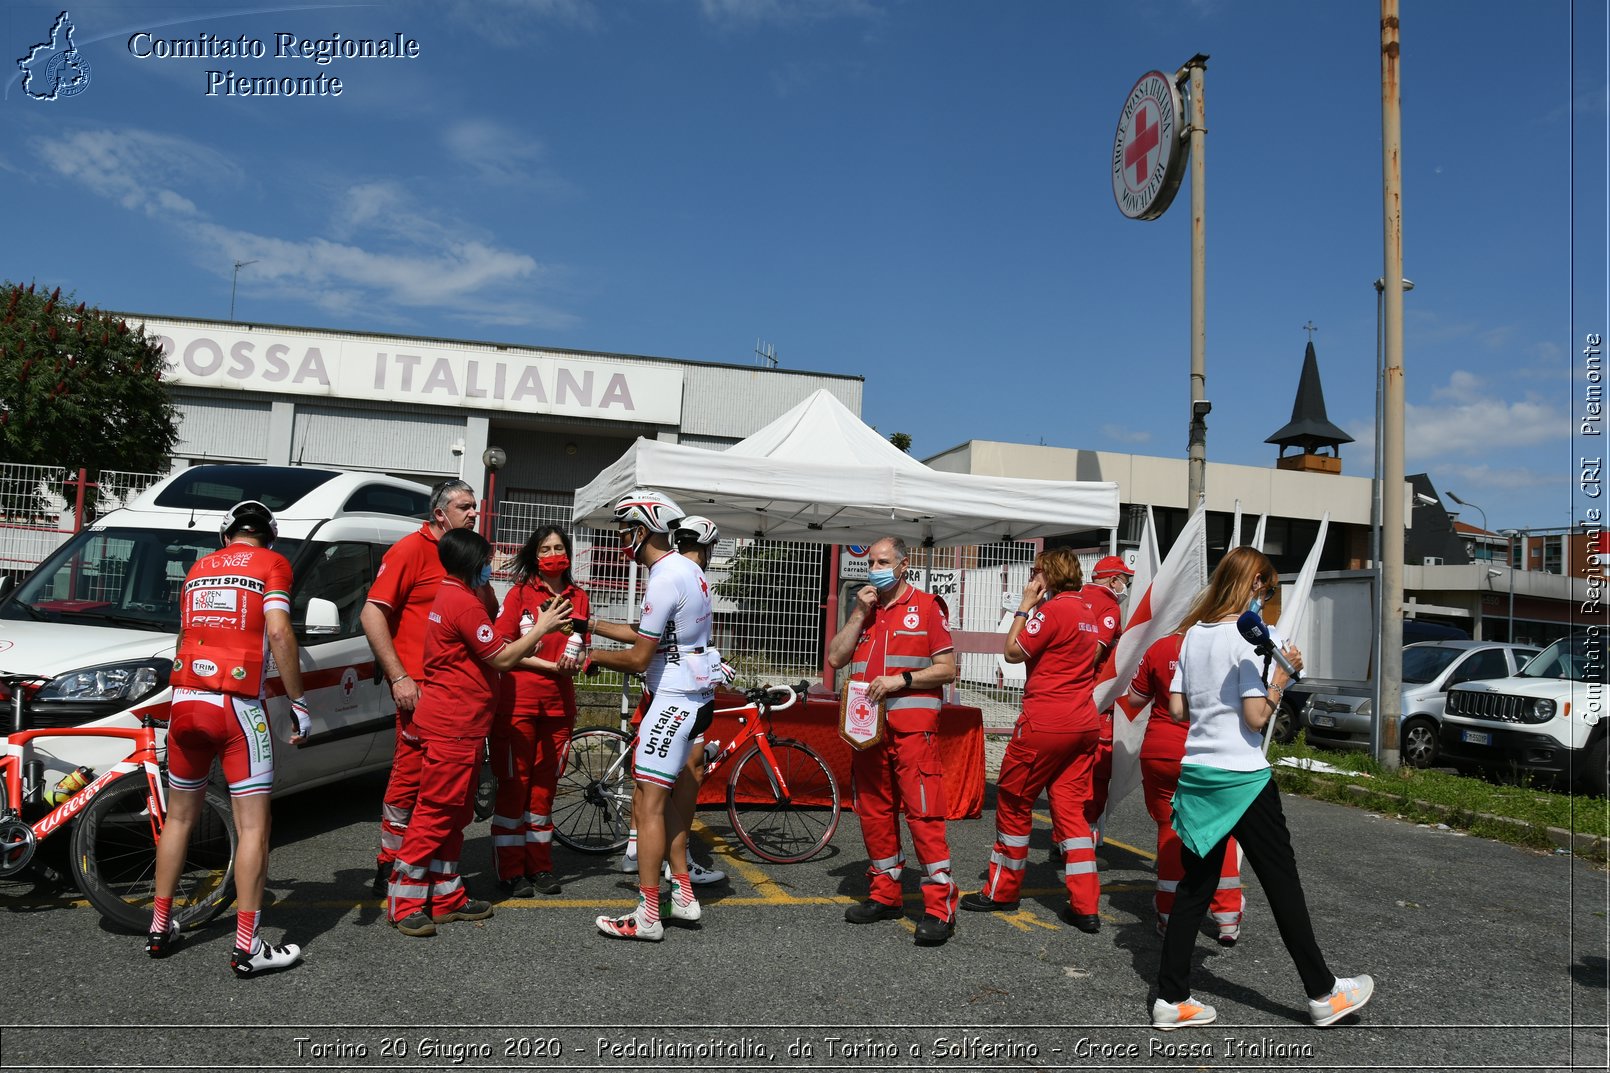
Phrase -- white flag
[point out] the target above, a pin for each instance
(1294, 604)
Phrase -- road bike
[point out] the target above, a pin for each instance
(119, 816)
(782, 798)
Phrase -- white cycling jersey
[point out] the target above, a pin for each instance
(676, 613)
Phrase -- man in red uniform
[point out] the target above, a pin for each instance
(235, 604)
(1104, 595)
(394, 621)
(896, 640)
(1160, 754)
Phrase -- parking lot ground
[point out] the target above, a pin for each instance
(1484, 955)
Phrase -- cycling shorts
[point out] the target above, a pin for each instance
(205, 726)
(674, 723)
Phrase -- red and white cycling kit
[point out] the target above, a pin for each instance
(218, 671)
(682, 675)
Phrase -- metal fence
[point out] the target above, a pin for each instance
(39, 507)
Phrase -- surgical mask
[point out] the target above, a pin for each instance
(881, 579)
(553, 564)
(485, 576)
(1256, 605)
(630, 543)
(1122, 592)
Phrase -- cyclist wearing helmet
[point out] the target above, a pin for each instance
(236, 605)
(671, 649)
(694, 537)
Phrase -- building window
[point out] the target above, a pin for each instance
(1554, 555)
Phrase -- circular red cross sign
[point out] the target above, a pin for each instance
(1148, 158)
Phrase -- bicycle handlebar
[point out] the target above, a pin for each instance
(787, 696)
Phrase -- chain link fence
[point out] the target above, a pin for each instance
(39, 507)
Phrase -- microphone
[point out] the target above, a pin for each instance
(1256, 634)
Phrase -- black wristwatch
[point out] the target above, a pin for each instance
(907, 676)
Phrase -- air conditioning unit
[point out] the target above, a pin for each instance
(1431, 560)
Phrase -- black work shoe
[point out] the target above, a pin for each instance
(159, 944)
(418, 925)
(871, 910)
(470, 910)
(983, 903)
(1089, 923)
(382, 879)
(544, 883)
(518, 887)
(931, 931)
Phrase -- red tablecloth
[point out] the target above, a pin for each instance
(961, 748)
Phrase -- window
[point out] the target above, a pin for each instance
(388, 499)
(1554, 555)
(1485, 664)
(340, 573)
(221, 487)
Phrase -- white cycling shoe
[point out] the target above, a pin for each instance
(697, 873)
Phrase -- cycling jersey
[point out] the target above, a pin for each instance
(224, 603)
(676, 613)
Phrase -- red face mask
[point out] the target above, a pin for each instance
(553, 564)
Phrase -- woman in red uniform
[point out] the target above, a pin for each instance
(536, 713)
(463, 657)
(1053, 746)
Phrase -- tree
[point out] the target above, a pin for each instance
(901, 440)
(79, 387)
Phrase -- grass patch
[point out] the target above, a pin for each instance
(1515, 812)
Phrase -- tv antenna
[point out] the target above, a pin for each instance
(766, 354)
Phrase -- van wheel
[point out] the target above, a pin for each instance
(1417, 742)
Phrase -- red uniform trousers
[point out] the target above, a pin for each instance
(1158, 779)
(425, 877)
(902, 773)
(402, 790)
(1100, 775)
(527, 750)
(1059, 762)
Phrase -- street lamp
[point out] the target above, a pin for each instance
(233, 280)
(1375, 510)
(1464, 503)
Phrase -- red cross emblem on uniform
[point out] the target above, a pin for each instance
(704, 588)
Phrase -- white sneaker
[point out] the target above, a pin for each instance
(698, 874)
(1167, 1016)
(691, 911)
(629, 862)
(631, 926)
(1348, 996)
(266, 958)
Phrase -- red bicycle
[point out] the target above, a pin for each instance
(782, 798)
(119, 816)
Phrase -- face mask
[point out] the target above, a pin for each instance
(485, 576)
(1256, 606)
(881, 579)
(553, 564)
(1122, 592)
(630, 544)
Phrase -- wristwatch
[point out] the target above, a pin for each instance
(907, 676)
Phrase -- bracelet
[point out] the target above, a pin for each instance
(1020, 614)
(400, 678)
(907, 676)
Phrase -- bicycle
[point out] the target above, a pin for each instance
(782, 798)
(119, 816)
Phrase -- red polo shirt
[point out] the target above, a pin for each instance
(525, 692)
(405, 585)
(1165, 739)
(460, 685)
(1059, 640)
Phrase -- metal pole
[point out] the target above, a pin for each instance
(1391, 609)
(1196, 477)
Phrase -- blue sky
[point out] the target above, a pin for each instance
(912, 190)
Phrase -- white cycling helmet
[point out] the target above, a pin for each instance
(248, 512)
(645, 506)
(698, 529)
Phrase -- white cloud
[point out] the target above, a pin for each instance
(1120, 434)
(381, 248)
(1469, 415)
(496, 153)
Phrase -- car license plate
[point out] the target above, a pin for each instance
(1475, 737)
(1322, 720)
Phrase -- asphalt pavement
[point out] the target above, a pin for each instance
(1484, 956)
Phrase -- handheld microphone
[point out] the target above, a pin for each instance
(1256, 634)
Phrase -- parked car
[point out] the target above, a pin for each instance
(97, 623)
(1546, 719)
(1338, 720)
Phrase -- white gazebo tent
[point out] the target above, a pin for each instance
(820, 474)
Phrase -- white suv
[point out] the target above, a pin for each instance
(95, 625)
(1546, 719)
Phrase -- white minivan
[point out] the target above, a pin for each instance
(94, 627)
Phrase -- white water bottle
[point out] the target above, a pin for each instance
(573, 648)
(528, 622)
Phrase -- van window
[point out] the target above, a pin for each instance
(221, 487)
(388, 499)
(340, 573)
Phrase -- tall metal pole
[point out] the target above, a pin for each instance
(1391, 607)
(1196, 475)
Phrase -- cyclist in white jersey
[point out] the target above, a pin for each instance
(681, 669)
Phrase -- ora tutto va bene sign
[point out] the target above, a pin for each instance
(1148, 155)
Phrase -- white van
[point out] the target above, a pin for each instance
(96, 624)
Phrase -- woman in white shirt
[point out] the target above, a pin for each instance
(1228, 692)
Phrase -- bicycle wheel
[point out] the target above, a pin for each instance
(592, 803)
(114, 858)
(783, 829)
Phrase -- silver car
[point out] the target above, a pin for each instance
(1339, 721)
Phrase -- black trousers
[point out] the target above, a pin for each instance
(1262, 833)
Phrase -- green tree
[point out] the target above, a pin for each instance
(79, 387)
(901, 440)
